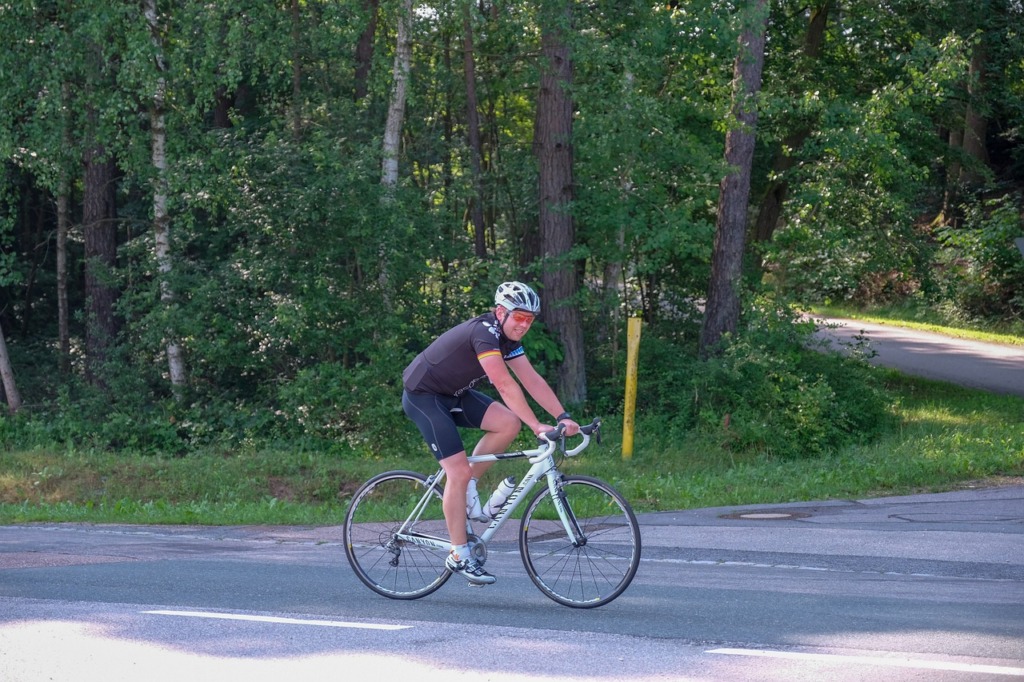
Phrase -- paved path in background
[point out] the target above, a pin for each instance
(975, 364)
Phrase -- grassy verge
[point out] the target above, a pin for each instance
(926, 320)
(948, 438)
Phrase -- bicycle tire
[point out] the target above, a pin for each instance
(390, 567)
(591, 574)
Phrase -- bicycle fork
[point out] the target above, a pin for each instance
(565, 513)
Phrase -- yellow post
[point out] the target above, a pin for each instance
(629, 409)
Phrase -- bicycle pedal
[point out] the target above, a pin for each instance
(476, 584)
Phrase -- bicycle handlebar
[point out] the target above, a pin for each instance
(588, 430)
(546, 444)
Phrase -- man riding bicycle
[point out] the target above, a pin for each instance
(439, 397)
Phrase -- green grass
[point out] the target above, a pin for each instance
(927, 320)
(947, 438)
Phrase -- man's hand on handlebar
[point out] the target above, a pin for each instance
(566, 427)
(571, 427)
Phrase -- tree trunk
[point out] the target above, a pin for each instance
(296, 19)
(396, 109)
(63, 225)
(34, 227)
(722, 310)
(975, 123)
(7, 377)
(553, 146)
(393, 132)
(473, 134)
(63, 329)
(364, 50)
(222, 101)
(614, 294)
(614, 287)
(770, 210)
(951, 197)
(99, 217)
(785, 156)
(161, 218)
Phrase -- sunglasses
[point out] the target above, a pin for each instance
(519, 317)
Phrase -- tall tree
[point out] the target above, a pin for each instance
(63, 200)
(396, 107)
(473, 133)
(987, 99)
(553, 147)
(393, 131)
(364, 49)
(722, 309)
(161, 217)
(99, 218)
(295, 15)
(787, 152)
(63, 311)
(97, 91)
(975, 129)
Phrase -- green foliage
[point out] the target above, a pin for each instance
(947, 437)
(9, 274)
(853, 215)
(298, 290)
(356, 406)
(768, 392)
(647, 171)
(872, 173)
(983, 271)
(80, 416)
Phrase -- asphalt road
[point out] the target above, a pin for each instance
(926, 587)
(911, 588)
(987, 366)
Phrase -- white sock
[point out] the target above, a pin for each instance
(460, 551)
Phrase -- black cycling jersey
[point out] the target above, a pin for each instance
(451, 364)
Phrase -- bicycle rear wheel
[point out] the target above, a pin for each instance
(390, 566)
(594, 570)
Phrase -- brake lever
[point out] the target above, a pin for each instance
(552, 435)
(593, 429)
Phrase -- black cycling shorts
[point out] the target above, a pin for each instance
(440, 416)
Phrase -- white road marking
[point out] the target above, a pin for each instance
(822, 569)
(877, 660)
(275, 619)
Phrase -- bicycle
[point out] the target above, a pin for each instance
(578, 537)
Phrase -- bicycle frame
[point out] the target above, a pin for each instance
(542, 461)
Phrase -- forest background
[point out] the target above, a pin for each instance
(225, 228)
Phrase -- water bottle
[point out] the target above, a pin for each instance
(499, 496)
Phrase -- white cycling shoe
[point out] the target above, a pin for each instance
(469, 569)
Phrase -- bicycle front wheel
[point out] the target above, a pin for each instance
(595, 567)
(388, 565)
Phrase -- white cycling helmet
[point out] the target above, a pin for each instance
(517, 296)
